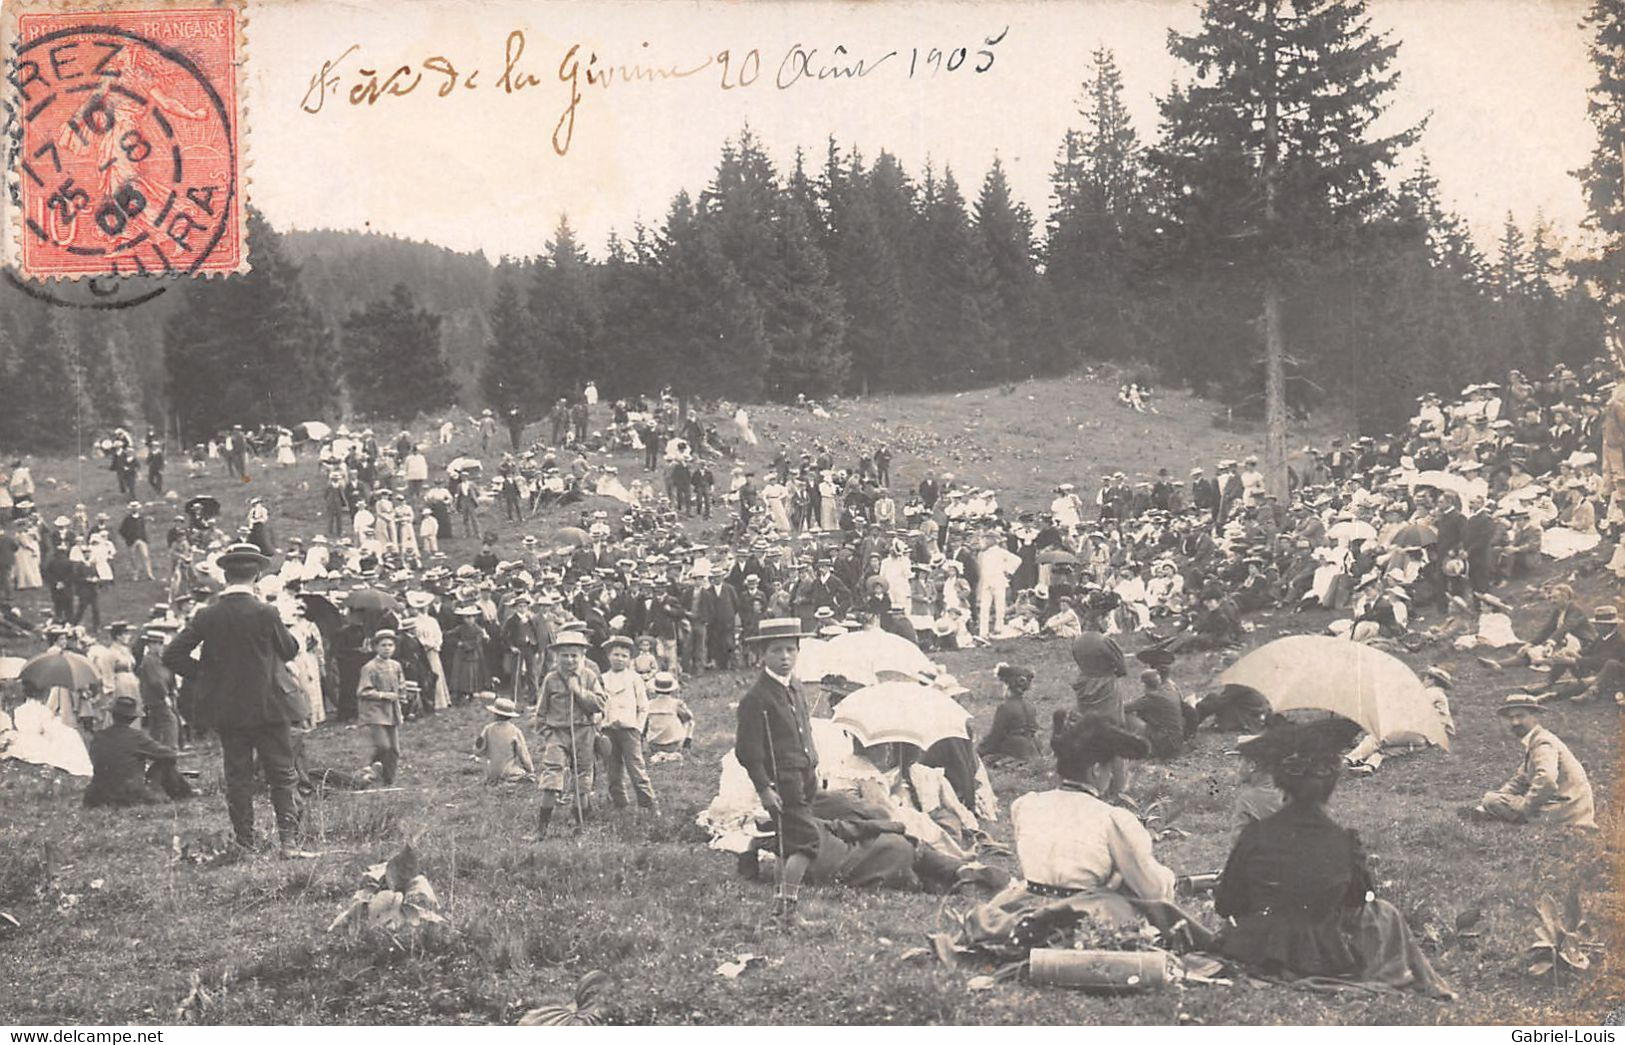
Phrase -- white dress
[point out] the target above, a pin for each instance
(45, 740)
(777, 499)
(100, 553)
(27, 566)
(284, 450)
(307, 667)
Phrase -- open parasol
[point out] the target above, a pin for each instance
(11, 668)
(322, 613)
(865, 657)
(203, 507)
(1352, 530)
(312, 430)
(59, 668)
(1359, 682)
(466, 466)
(1415, 535)
(372, 600)
(1054, 556)
(573, 536)
(1459, 485)
(903, 713)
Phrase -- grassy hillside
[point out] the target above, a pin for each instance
(647, 902)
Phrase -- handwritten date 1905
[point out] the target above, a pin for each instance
(369, 84)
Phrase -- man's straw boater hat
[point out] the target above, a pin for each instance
(242, 554)
(778, 628)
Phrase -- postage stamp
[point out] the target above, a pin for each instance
(125, 144)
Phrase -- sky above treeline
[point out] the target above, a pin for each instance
(493, 165)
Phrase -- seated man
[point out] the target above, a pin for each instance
(118, 757)
(1567, 625)
(1163, 715)
(1599, 667)
(1550, 787)
(1216, 624)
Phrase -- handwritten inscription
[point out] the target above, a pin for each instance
(351, 78)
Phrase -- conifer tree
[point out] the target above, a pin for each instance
(512, 376)
(393, 363)
(565, 312)
(249, 349)
(1273, 153)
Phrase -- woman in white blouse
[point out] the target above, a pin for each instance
(1082, 853)
(1070, 840)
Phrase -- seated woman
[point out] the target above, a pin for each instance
(1014, 735)
(1296, 889)
(1081, 856)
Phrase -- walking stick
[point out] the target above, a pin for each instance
(575, 758)
(773, 768)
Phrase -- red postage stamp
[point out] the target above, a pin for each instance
(125, 140)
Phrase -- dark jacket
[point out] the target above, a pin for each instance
(717, 607)
(1164, 718)
(1286, 884)
(132, 529)
(775, 734)
(118, 757)
(243, 642)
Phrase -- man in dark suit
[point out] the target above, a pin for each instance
(717, 607)
(774, 745)
(1480, 535)
(526, 638)
(244, 644)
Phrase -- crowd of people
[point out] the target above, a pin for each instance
(634, 586)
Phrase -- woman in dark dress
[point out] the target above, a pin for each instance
(469, 673)
(1013, 737)
(1296, 890)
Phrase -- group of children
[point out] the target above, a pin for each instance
(589, 719)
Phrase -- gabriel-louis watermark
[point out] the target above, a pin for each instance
(1563, 1037)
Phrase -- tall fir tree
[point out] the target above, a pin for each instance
(959, 307)
(1602, 180)
(249, 349)
(1273, 155)
(626, 289)
(804, 318)
(394, 366)
(565, 310)
(1098, 225)
(711, 339)
(512, 377)
(47, 409)
(1005, 227)
(876, 305)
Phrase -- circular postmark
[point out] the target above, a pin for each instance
(125, 156)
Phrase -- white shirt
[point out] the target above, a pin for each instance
(1074, 840)
(628, 703)
(994, 565)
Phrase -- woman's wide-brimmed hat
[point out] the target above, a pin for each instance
(772, 628)
(502, 707)
(1082, 742)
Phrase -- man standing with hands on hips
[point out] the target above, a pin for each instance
(244, 644)
(774, 744)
